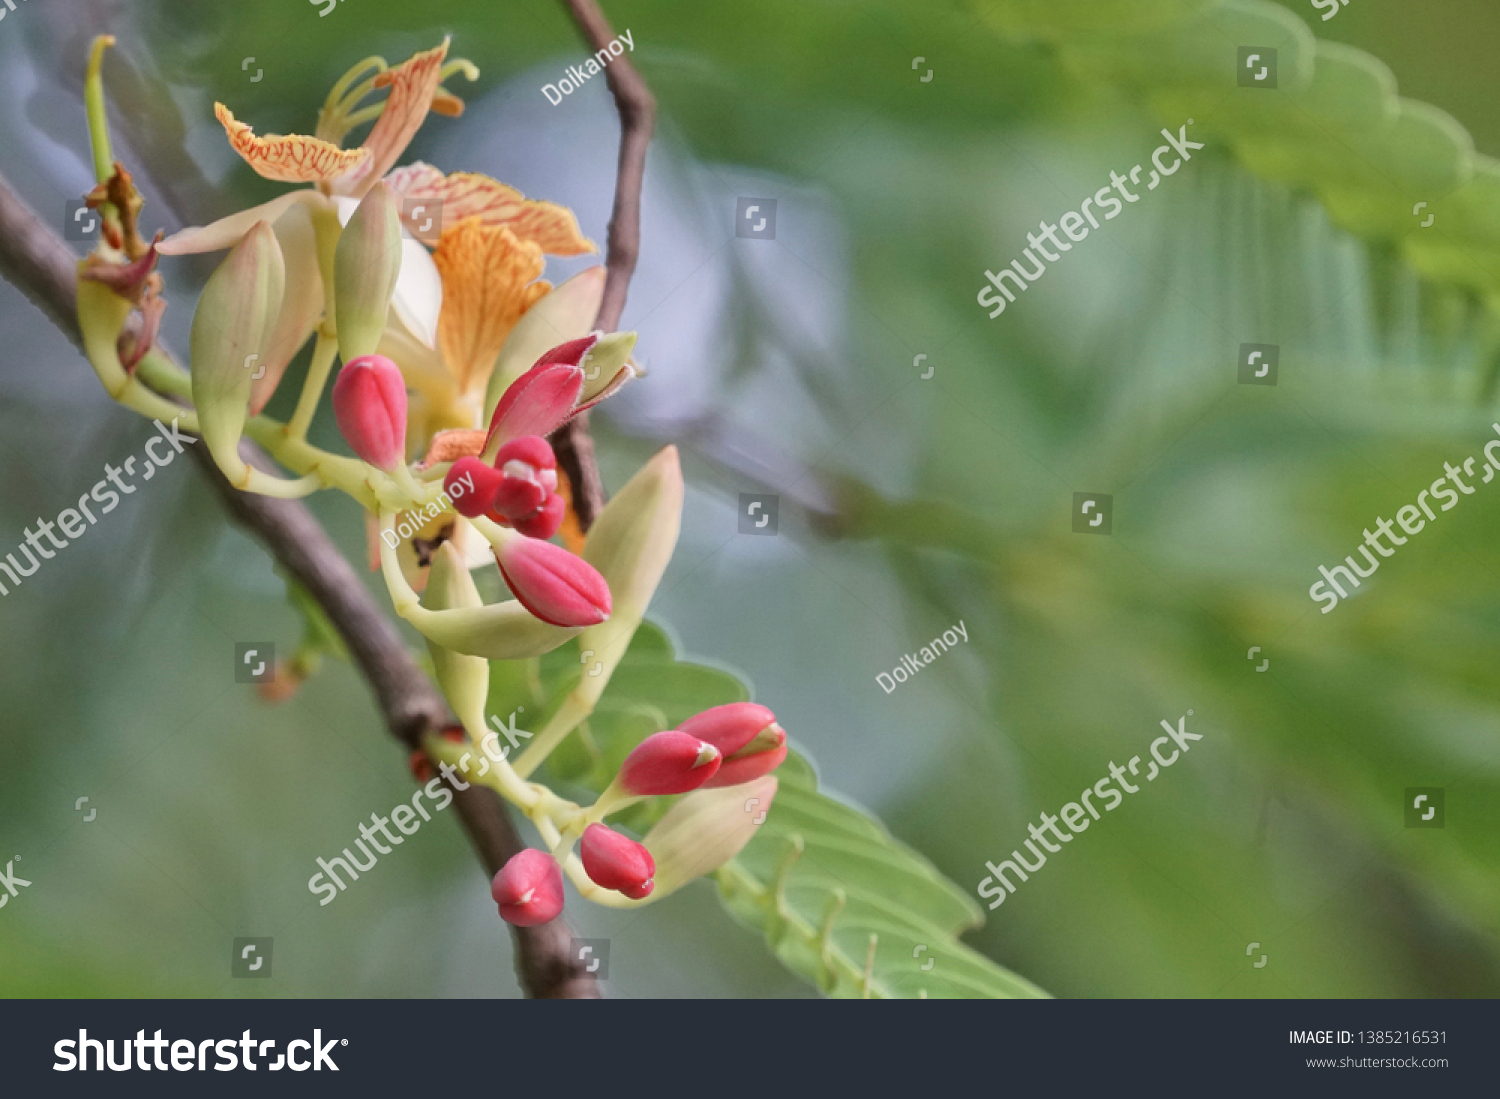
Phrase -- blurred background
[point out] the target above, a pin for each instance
(924, 457)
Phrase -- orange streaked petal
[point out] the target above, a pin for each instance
(289, 159)
(488, 283)
(469, 194)
(413, 84)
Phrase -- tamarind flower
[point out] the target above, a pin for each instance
(493, 263)
(468, 358)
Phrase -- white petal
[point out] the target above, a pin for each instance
(471, 544)
(418, 300)
(228, 231)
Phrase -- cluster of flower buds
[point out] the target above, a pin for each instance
(515, 475)
(519, 490)
(516, 487)
(435, 340)
(726, 746)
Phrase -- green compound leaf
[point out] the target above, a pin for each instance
(839, 900)
(1386, 168)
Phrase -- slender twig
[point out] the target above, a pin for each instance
(637, 110)
(35, 260)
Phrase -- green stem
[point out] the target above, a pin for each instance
(567, 718)
(312, 388)
(164, 376)
(93, 97)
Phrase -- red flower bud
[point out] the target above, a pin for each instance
(517, 497)
(669, 763)
(570, 353)
(617, 862)
(744, 768)
(529, 888)
(544, 521)
(537, 403)
(485, 480)
(369, 401)
(752, 743)
(558, 587)
(528, 471)
(729, 728)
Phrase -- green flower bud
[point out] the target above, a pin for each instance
(706, 829)
(630, 544)
(365, 265)
(232, 332)
(606, 367)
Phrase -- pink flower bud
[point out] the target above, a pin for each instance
(744, 768)
(485, 480)
(729, 728)
(669, 763)
(537, 403)
(529, 888)
(528, 471)
(558, 587)
(617, 862)
(752, 743)
(369, 400)
(544, 521)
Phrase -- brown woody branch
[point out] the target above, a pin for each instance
(637, 110)
(34, 259)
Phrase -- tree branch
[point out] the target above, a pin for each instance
(35, 260)
(637, 109)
